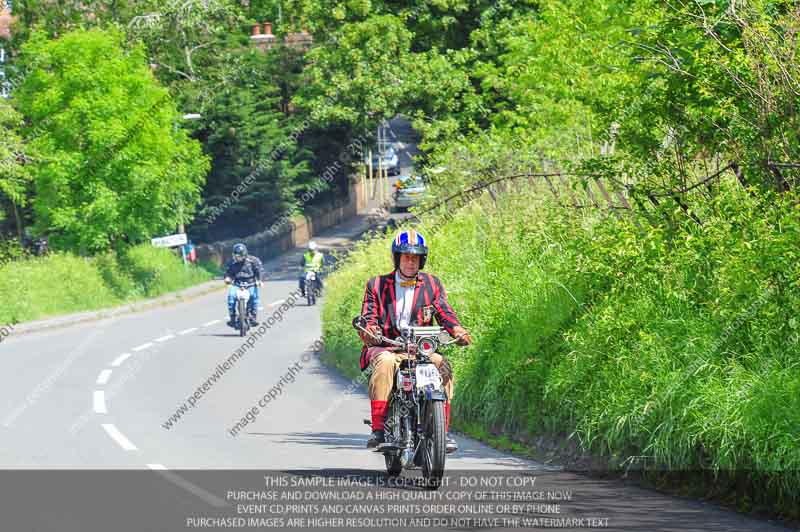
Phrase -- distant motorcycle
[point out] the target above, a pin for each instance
(415, 422)
(242, 302)
(312, 288)
(41, 247)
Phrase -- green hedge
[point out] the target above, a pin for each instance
(61, 283)
(678, 343)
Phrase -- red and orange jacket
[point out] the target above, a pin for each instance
(430, 302)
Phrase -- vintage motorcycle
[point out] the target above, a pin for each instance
(242, 302)
(312, 287)
(415, 421)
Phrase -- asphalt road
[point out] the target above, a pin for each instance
(85, 396)
(99, 396)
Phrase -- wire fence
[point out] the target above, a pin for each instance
(592, 190)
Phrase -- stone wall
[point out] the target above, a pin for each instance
(296, 232)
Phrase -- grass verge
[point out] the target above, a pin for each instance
(673, 347)
(61, 283)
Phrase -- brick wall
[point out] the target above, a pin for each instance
(293, 234)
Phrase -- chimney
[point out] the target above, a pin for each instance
(263, 40)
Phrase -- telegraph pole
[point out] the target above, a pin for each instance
(4, 89)
(381, 152)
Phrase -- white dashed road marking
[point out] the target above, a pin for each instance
(118, 437)
(120, 359)
(195, 490)
(143, 346)
(99, 403)
(99, 400)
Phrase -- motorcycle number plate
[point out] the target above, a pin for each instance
(243, 294)
(428, 374)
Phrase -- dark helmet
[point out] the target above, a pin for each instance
(409, 241)
(239, 250)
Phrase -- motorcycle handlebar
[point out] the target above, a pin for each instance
(360, 323)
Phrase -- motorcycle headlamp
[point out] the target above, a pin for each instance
(427, 346)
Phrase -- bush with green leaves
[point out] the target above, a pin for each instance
(61, 283)
(677, 342)
(156, 270)
(112, 168)
(11, 250)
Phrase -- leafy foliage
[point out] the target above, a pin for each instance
(362, 75)
(14, 179)
(12, 155)
(90, 283)
(255, 148)
(112, 166)
(638, 342)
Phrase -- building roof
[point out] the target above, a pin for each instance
(5, 23)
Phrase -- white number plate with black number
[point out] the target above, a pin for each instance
(428, 374)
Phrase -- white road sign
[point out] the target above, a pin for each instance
(170, 241)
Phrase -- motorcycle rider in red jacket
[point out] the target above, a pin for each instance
(402, 298)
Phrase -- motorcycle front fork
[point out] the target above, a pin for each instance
(247, 309)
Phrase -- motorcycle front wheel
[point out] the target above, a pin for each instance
(243, 324)
(435, 445)
(311, 293)
(393, 464)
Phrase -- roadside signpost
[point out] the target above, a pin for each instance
(172, 241)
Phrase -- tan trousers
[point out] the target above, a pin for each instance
(384, 365)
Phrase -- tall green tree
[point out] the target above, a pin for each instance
(14, 177)
(259, 165)
(189, 43)
(441, 24)
(359, 74)
(113, 167)
(722, 79)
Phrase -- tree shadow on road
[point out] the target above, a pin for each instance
(331, 440)
(580, 501)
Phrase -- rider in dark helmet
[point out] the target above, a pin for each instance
(243, 268)
(405, 297)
